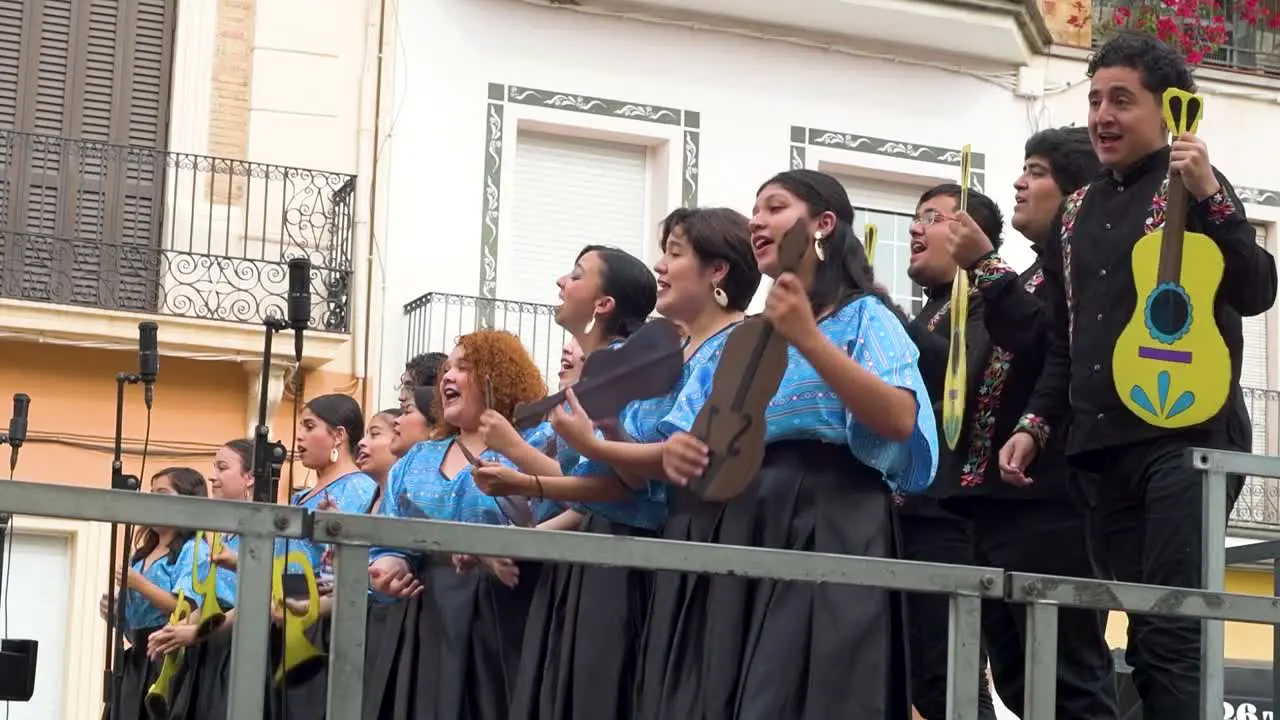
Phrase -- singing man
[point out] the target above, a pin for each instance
(1042, 527)
(1149, 498)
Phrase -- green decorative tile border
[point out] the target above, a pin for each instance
(1259, 196)
(802, 138)
(502, 95)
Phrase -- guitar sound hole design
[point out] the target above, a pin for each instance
(1168, 313)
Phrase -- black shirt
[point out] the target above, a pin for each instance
(1090, 287)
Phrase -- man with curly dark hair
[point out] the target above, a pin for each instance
(1148, 497)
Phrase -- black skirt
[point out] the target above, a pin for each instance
(581, 643)
(137, 674)
(203, 692)
(305, 689)
(728, 647)
(451, 653)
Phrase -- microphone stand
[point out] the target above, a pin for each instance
(265, 485)
(116, 601)
(17, 657)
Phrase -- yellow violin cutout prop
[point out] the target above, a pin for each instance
(212, 616)
(302, 659)
(160, 694)
(870, 237)
(1171, 366)
(957, 380)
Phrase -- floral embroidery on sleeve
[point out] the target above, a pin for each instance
(988, 269)
(1036, 427)
(1220, 207)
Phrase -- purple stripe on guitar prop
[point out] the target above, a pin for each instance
(1177, 356)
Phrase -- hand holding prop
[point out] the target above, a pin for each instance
(212, 616)
(302, 659)
(160, 695)
(1170, 365)
(752, 364)
(871, 236)
(647, 365)
(957, 378)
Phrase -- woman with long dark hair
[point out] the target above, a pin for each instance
(469, 624)
(850, 423)
(159, 570)
(581, 645)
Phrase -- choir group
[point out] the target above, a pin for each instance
(1052, 471)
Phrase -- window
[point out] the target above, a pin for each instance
(890, 207)
(1255, 379)
(569, 193)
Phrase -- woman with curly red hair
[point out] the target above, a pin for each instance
(463, 641)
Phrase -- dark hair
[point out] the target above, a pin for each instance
(1072, 161)
(424, 399)
(631, 285)
(719, 234)
(340, 411)
(1160, 66)
(982, 209)
(186, 482)
(424, 369)
(394, 412)
(243, 448)
(847, 272)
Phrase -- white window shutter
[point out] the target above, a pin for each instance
(569, 192)
(890, 207)
(1253, 367)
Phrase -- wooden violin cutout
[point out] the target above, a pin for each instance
(957, 378)
(648, 364)
(1171, 366)
(301, 658)
(870, 237)
(212, 616)
(160, 695)
(751, 366)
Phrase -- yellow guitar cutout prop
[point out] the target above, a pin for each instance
(870, 237)
(1172, 367)
(212, 616)
(953, 390)
(301, 658)
(159, 695)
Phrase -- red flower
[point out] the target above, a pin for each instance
(1195, 57)
(1166, 28)
(1120, 16)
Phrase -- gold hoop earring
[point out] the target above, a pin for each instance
(333, 454)
(721, 298)
(817, 247)
(591, 325)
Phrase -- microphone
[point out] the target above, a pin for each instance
(18, 428)
(148, 359)
(299, 301)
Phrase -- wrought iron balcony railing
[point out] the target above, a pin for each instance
(1250, 46)
(143, 230)
(1258, 506)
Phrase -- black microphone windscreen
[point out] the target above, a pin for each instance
(18, 425)
(299, 293)
(148, 352)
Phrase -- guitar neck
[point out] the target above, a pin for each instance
(1175, 226)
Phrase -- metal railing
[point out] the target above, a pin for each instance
(1251, 46)
(966, 586)
(144, 230)
(1258, 507)
(434, 321)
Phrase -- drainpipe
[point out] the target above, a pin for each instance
(366, 202)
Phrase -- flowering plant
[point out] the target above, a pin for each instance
(1196, 28)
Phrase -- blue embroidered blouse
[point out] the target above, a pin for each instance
(806, 408)
(352, 493)
(168, 574)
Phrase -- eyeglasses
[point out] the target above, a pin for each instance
(930, 217)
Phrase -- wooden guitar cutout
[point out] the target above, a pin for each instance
(957, 378)
(648, 364)
(870, 237)
(1171, 366)
(752, 364)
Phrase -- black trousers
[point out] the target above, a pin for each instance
(1051, 537)
(1150, 512)
(935, 537)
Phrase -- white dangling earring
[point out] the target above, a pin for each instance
(333, 454)
(817, 247)
(591, 325)
(721, 298)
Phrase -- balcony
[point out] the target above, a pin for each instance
(104, 234)
(1258, 507)
(1251, 48)
(1004, 32)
